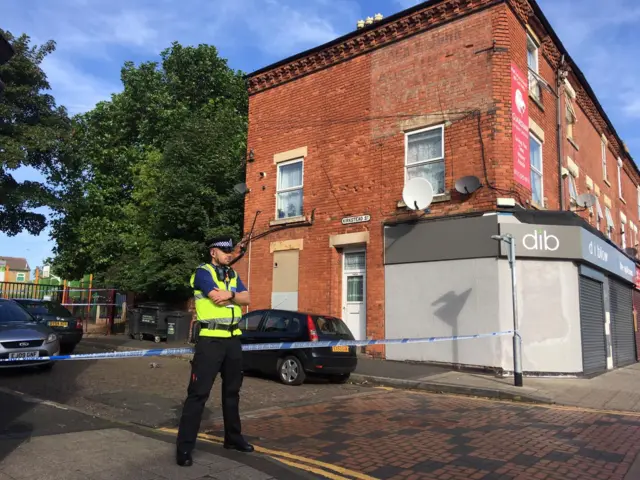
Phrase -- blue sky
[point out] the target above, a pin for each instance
(95, 37)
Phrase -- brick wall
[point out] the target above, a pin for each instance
(351, 118)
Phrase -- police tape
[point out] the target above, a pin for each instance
(163, 352)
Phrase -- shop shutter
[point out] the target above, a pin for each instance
(636, 305)
(622, 333)
(594, 346)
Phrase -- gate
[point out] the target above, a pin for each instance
(100, 309)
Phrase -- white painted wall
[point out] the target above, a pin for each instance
(463, 297)
(549, 312)
(437, 299)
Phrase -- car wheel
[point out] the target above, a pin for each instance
(339, 379)
(290, 371)
(67, 349)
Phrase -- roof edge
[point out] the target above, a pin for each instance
(345, 37)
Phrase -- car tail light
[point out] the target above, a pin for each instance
(79, 324)
(313, 335)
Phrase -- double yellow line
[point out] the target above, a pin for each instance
(332, 472)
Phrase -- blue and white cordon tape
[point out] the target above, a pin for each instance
(158, 352)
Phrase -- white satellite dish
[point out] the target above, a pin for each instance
(417, 193)
(586, 200)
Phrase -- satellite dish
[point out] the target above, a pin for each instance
(241, 188)
(586, 200)
(468, 185)
(417, 193)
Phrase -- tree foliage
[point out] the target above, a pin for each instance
(154, 173)
(33, 130)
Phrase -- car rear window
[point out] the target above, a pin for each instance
(12, 313)
(331, 326)
(46, 308)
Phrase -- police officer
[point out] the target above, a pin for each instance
(218, 293)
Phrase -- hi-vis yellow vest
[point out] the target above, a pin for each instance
(207, 311)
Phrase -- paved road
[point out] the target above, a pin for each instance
(382, 433)
(397, 434)
(50, 442)
(131, 390)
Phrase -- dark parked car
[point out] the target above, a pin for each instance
(57, 317)
(293, 366)
(22, 337)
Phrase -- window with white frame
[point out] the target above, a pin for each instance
(424, 156)
(535, 158)
(604, 159)
(532, 61)
(289, 189)
(571, 119)
(638, 190)
(610, 224)
(573, 190)
(20, 277)
(599, 214)
(620, 179)
(623, 234)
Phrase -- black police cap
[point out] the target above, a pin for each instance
(222, 242)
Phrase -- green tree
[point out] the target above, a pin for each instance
(33, 130)
(154, 174)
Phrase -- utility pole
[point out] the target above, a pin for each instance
(517, 341)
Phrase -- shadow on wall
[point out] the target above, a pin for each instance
(451, 304)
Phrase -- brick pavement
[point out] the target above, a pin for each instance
(411, 435)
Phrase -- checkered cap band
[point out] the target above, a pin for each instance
(223, 243)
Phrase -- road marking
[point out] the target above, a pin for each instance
(277, 453)
(29, 399)
(307, 468)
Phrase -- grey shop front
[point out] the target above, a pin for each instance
(449, 277)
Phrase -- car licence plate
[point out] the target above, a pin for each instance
(58, 324)
(340, 348)
(23, 355)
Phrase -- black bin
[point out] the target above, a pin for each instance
(178, 326)
(133, 321)
(153, 320)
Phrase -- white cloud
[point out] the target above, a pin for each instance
(76, 89)
(601, 37)
(94, 37)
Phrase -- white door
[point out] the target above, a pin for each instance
(354, 304)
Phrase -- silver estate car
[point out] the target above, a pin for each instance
(22, 337)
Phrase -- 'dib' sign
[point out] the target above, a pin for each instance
(541, 240)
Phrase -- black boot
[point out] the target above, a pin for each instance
(184, 459)
(240, 445)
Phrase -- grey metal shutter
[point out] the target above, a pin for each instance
(636, 306)
(594, 346)
(622, 335)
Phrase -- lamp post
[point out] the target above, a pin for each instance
(517, 341)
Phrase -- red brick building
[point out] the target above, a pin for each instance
(334, 132)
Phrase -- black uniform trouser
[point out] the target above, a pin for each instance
(212, 355)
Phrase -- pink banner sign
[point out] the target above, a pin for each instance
(520, 126)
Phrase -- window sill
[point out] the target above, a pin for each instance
(607, 182)
(623, 200)
(573, 143)
(537, 101)
(443, 197)
(287, 221)
(536, 205)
